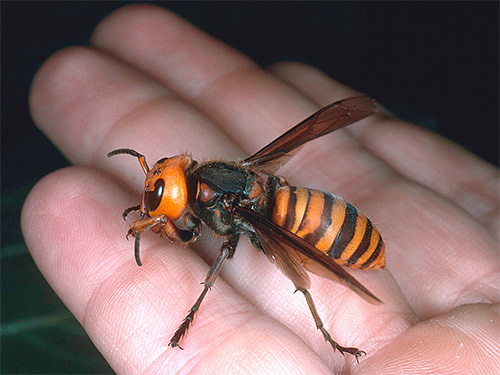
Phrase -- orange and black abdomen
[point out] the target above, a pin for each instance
(331, 224)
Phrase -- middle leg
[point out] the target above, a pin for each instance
(226, 252)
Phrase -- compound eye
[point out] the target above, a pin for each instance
(153, 198)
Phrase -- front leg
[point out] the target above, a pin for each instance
(164, 226)
(226, 251)
(193, 224)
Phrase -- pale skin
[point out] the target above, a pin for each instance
(152, 82)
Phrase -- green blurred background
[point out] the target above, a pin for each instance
(435, 64)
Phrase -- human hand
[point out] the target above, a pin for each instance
(152, 82)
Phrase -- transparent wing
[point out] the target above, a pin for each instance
(282, 257)
(332, 117)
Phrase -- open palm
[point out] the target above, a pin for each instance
(152, 82)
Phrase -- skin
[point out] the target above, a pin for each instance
(150, 81)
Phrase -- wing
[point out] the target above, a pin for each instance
(290, 252)
(332, 117)
(281, 255)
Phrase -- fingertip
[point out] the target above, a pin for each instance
(312, 82)
(140, 20)
(63, 221)
(53, 80)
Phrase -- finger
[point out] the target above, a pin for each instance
(244, 100)
(78, 94)
(463, 341)
(416, 153)
(69, 222)
(115, 106)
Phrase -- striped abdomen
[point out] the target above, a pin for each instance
(330, 224)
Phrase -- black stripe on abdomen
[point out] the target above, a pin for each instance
(346, 233)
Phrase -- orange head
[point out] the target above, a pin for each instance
(165, 189)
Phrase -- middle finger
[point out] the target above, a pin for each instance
(247, 102)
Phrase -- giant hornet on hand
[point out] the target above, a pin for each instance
(297, 228)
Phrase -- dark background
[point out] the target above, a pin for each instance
(433, 63)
